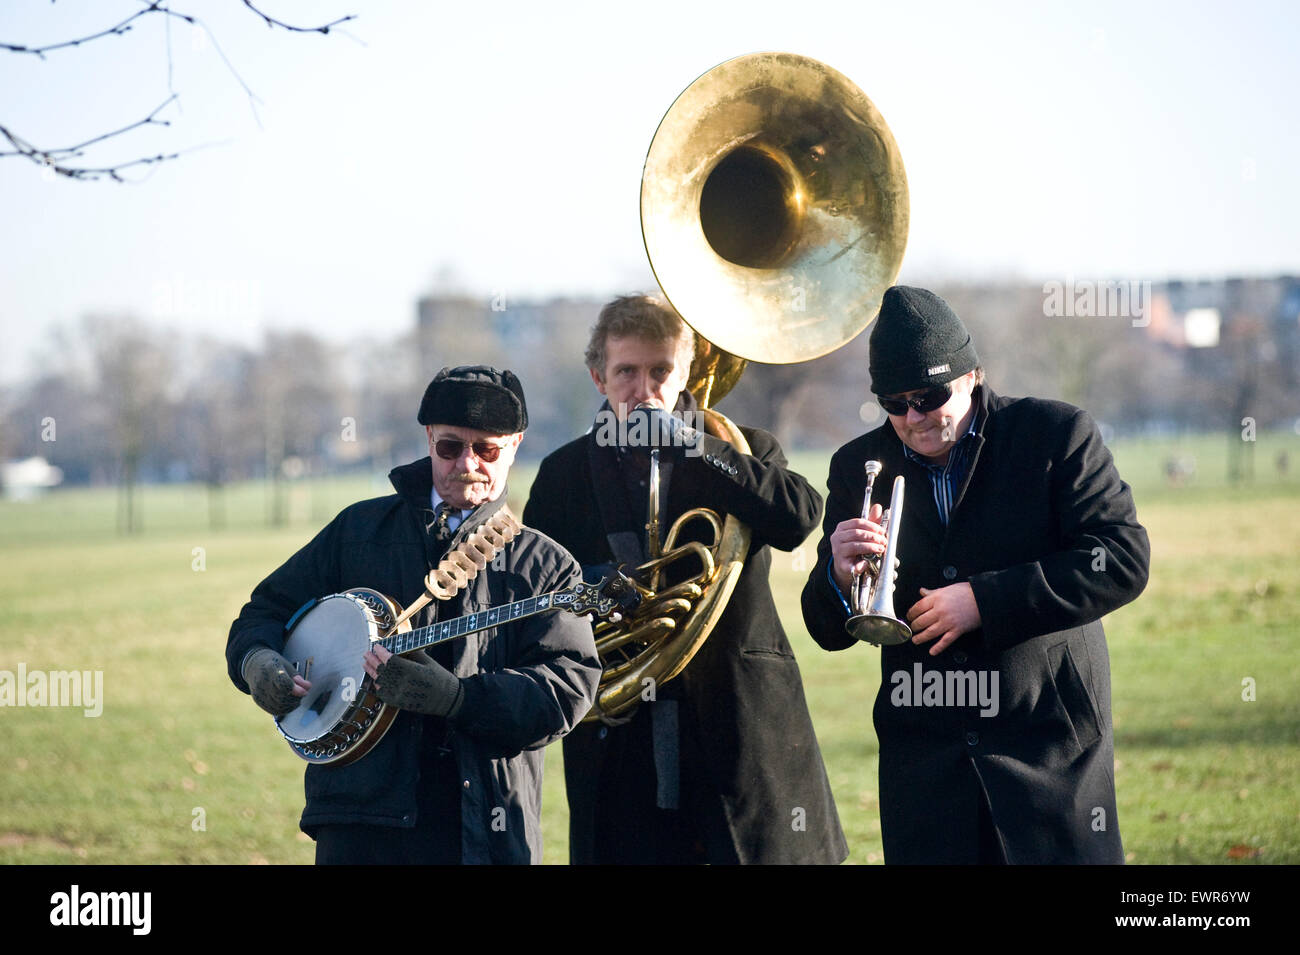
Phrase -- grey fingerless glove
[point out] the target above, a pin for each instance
(270, 681)
(428, 688)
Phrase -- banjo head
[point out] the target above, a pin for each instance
(326, 648)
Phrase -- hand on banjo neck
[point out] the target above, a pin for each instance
(338, 639)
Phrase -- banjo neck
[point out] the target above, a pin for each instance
(443, 630)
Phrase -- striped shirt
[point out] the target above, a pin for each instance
(946, 478)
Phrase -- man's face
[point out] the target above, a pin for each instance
(467, 480)
(637, 370)
(932, 434)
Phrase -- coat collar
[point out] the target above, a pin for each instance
(414, 485)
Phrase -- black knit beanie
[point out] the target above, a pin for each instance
(918, 342)
(475, 396)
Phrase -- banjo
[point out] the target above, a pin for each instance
(341, 718)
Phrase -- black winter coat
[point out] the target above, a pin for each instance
(526, 683)
(747, 742)
(1047, 535)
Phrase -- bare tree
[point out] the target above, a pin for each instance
(218, 432)
(69, 161)
(133, 370)
(297, 390)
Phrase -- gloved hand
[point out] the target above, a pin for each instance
(271, 681)
(649, 426)
(428, 688)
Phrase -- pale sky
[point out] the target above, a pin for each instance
(502, 143)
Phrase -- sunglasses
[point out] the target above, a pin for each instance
(449, 449)
(925, 402)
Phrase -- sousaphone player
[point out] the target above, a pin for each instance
(721, 764)
(774, 210)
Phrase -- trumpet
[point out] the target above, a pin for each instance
(872, 598)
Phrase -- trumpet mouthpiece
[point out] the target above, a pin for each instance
(872, 468)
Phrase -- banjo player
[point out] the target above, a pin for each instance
(457, 776)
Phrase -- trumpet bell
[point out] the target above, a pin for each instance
(774, 207)
(879, 629)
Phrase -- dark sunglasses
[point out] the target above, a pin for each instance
(926, 402)
(449, 449)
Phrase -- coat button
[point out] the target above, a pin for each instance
(950, 572)
(603, 732)
(972, 739)
(958, 656)
(467, 784)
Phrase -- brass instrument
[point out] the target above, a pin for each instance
(872, 597)
(774, 211)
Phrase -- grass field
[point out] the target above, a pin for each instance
(180, 767)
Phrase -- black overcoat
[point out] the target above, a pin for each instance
(747, 737)
(526, 683)
(1047, 535)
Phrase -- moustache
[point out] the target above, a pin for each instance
(465, 477)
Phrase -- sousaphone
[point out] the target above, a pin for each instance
(774, 211)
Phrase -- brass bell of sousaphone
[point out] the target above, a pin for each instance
(774, 211)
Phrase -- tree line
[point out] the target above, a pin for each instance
(120, 401)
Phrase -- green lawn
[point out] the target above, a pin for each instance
(180, 767)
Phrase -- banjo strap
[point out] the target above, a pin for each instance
(464, 561)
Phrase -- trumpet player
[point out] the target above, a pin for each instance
(1016, 536)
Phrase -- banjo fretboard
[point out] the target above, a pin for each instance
(435, 633)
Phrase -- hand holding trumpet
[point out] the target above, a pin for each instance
(852, 541)
(872, 617)
(857, 546)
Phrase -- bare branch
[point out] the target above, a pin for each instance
(89, 174)
(272, 22)
(57, 159)
(168, 41)
(253, 101)
(158, 6)
(147, 121)
(353, 37)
